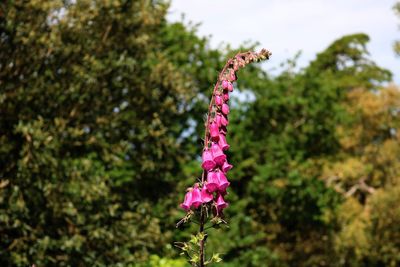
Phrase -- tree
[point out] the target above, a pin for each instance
(94, 97)
(284, 213)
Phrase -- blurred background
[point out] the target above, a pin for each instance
(102, 106)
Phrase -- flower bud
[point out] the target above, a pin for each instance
(230, 87)
(232, 75)
(225, 109)
(225, 96)
(235, 66)
(218, 100)
(225, 84)
(224, 121)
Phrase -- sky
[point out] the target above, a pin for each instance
(287, 26)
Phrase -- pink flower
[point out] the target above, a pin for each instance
(218, 156)
(208, 161)
(221, 204)
(225, 96)
(214, 131)
(221, 120)
(196, 197)
(205, 195)
(222, 142)
(222, 182)
(230, 87)
(224, 121)
(225, 109)
(187, 202)
(225, 84)
(226, 167)
(218, 100)
(212, 182)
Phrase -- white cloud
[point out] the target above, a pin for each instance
(287, 26)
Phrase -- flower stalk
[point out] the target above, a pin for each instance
(206, 199)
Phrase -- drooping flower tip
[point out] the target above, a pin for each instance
(208, 161)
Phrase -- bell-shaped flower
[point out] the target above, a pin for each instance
(225, 96)
(206, 196)
(230, 87)
(187, 202)
(225, 109)
(219, 100)
(224, 121)
(222, 182)
(226, 167)
(221, 204)
(218, 156)
(214, 131)
(222, 142)
(208, 160)
(225, 84)
(212, 182)
(196, 197)
(221, 120)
